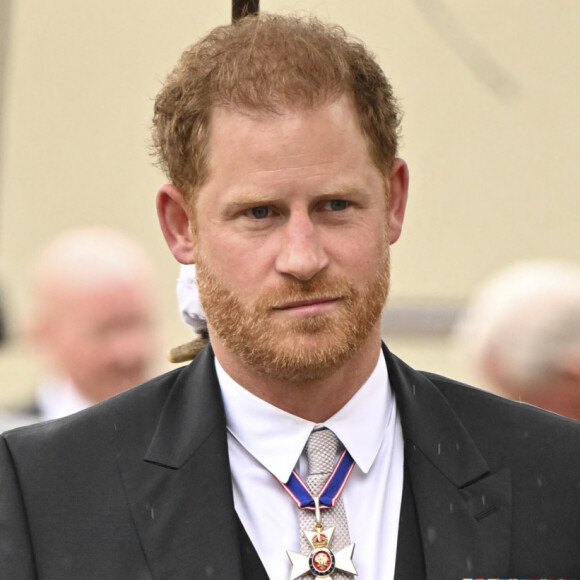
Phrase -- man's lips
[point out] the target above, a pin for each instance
(311, 306)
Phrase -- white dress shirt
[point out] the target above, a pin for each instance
(58, 397)
(265, 441)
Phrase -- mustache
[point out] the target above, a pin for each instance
(310, 290)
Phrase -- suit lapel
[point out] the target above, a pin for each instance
(180, 490)
(464, 509)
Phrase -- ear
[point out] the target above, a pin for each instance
(173, 217)
(399, 188)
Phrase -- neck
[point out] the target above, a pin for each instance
(315, 400)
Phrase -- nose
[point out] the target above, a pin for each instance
(302, 254)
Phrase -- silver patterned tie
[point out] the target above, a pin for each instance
(322, 448)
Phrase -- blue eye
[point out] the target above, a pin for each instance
(338, 204)
(260, 212)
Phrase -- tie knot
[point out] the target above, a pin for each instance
(321, 449)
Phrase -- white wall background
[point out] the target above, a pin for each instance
(490, 94)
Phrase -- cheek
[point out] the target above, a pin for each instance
(88, 351)
(80, 360)
(365, 253)
(240, 265)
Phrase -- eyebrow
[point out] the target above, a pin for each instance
(246, 198)
(251, 198)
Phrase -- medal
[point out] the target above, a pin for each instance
(322, 561)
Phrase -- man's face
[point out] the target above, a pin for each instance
(291, 241)
(103, 338)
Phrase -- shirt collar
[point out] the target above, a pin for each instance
(58, 397)
(276, 438)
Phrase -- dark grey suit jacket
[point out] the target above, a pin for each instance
(139, 487)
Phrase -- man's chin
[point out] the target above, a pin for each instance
(301, 357)
(298, 371)
(121, 384)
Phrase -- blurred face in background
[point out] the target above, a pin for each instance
(94, 320)
(102, 338)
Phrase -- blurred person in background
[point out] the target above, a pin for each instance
(521, 335)
(93, 323)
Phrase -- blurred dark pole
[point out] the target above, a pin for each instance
(5, 14)
(241, 8)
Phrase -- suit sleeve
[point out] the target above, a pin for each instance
(16, 556)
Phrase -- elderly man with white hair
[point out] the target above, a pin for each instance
(521, 334)
(93, 323)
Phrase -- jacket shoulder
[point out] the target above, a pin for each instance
(139, 405)
(505, 428)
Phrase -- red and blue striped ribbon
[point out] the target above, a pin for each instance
(299, 492)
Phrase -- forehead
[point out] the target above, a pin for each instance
(96, 301)
(293, 142)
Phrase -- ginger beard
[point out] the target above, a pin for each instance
(294, 349)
